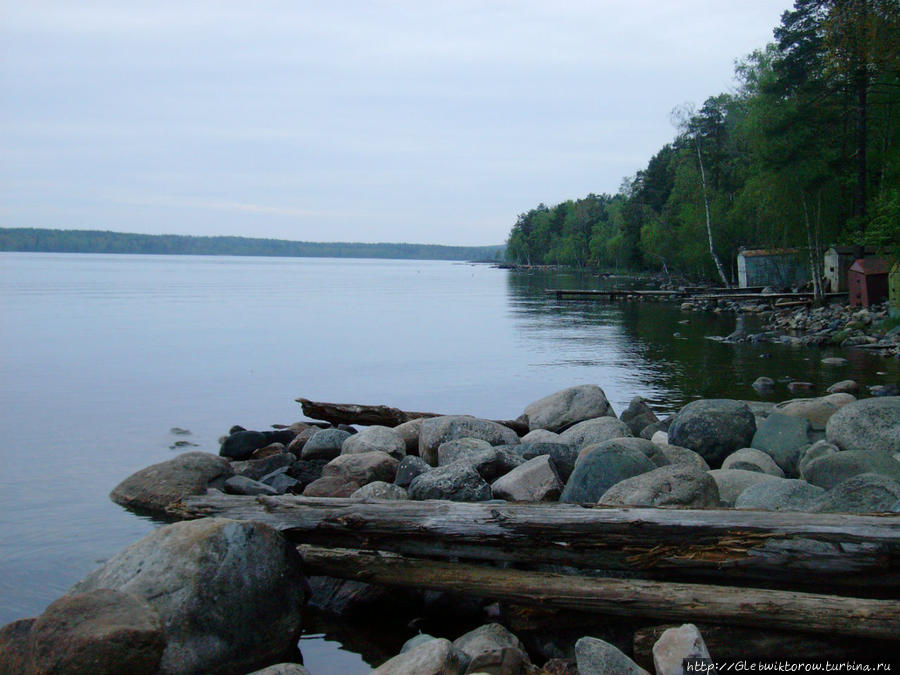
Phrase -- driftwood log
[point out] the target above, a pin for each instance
(822, 552)
(366, 415)
(619, 597)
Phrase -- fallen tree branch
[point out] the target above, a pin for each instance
(366, 415)
(619, 597)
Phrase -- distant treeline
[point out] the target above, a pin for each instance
(805, 153)
(96, 241)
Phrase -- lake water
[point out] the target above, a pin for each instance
(101, 355)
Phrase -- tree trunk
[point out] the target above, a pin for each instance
(354, 413)
(712, 249)
(813, 268)
(619, 597)
(775, 548)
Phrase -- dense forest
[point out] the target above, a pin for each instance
(95, 241)
(805, 153)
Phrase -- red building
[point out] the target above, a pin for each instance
(867, 281)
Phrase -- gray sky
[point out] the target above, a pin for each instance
(403, 120)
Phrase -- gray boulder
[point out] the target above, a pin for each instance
(844, 387)
(505, 661)
(363, 467)
(782, 437)
(458, 482)
(563, 456)
(325, 444)
(601, 466)
(432, 657)
(415, 641)
(673, 485)
(864, 493)
(410, 467)
(488, 460)
(488, 638)
(713, 428)
(534, 481)
(596, 657)
(779, 495)
(437, 430)
(461, 448)
(229, 593)
(15, 647)
(331, 486)
(677, 455)
(652, 451)
(869, 425)
(732, 482)
(154, 488)
(409, 432)
(593, 431)
(751, 459)
(241, 485)
(638, 415)
(375, 438)
(817, 410)
(100, 631)
(567, 407)
(830, 470)
(674, 646)
(256, 469)
(380, 490)
(541, 436)
(818, 449)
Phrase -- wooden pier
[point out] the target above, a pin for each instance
(693, 293)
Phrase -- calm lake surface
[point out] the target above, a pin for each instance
(101, 355)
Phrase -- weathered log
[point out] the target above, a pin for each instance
(775, 548)
(619, 597)
(365, 415)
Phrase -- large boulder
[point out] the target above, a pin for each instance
(375, 438)
(713, 428)
(673, 485)
(864, 493)
(229, 593)
(638, 415)
(779, 495)
(830, 470)
(818, 449)
(593, 431)
(432, 657)
(871, 425)
(488, 638)
(410, 467)
(534, 481)
(541, 436)
(783, 438)
(751, 459)
(732, 482)
(488, 460)
(241, 444)
(567, 407)
(380, 490)
(99, 632)
(457, 482)
(15, 647)
(331, 486)
(255, 469)
(816, 410)
(325, 444)
(282, 669)
(563, 456)
(675, 646)
(675, 454)
(409, 432)
(596, 657)
(156, 487)
(363, 467)
(601, 466)
(437, 430)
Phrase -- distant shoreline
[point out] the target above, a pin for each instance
(35, 240)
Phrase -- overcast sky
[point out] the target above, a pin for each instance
(404, 120)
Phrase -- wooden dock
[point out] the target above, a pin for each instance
(692, 293)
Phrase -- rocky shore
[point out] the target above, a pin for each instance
(219, 595)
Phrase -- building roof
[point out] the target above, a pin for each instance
(753, 253)
(869, 266)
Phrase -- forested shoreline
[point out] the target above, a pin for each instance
(805, 153)
(96, 241)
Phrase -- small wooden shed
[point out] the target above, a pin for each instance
(779, 267)
(894, 290)
(868, 281)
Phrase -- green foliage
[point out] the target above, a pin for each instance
(94, 241)
(805, 152)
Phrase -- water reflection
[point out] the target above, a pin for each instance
(656, 350)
